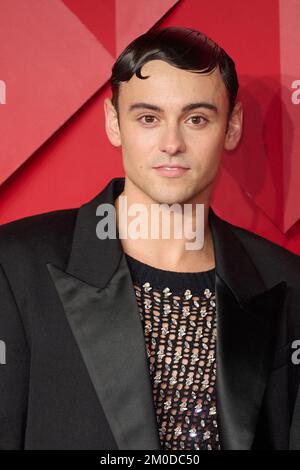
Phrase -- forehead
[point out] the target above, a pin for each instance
(172, 86)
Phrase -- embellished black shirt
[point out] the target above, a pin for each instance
(178, 314)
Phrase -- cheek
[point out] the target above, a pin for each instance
(133, 152)
(208, 150)
(139, 149)
(212, 141)
(134, 139)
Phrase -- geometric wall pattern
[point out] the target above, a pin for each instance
(55, 61)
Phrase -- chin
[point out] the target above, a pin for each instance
(167, 194)
(171, 198)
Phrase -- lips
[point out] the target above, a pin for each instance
(171, 171)
(171, 166)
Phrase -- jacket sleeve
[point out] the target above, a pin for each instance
(14, 370)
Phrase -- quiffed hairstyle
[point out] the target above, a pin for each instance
(184, 48)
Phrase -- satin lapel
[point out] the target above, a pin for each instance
(247, 316)
(244, 355)
(108, 331)
(97, 294)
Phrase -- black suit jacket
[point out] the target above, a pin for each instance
(76, 373)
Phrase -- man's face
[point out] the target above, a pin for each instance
(165, 131)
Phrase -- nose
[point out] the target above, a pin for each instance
(172, 141)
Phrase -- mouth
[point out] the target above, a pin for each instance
(171, 171)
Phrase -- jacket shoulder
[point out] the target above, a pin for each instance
(37, 235)
(268, 256)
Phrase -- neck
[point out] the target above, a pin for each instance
(173, 254)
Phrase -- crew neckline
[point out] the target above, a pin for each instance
(177, 281)
(141, 263)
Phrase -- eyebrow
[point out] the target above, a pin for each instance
(188, 107)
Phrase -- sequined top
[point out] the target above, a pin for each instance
(178, 314)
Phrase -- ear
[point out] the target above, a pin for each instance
(235, 127)
(111, 123)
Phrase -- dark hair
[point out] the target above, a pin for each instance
(184, 48)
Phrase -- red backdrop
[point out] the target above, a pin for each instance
(56, 58)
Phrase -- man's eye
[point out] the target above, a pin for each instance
(198, 119)
(148, 119)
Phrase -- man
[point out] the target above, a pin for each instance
(138, 343)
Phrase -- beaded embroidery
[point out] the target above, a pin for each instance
(180, 335)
